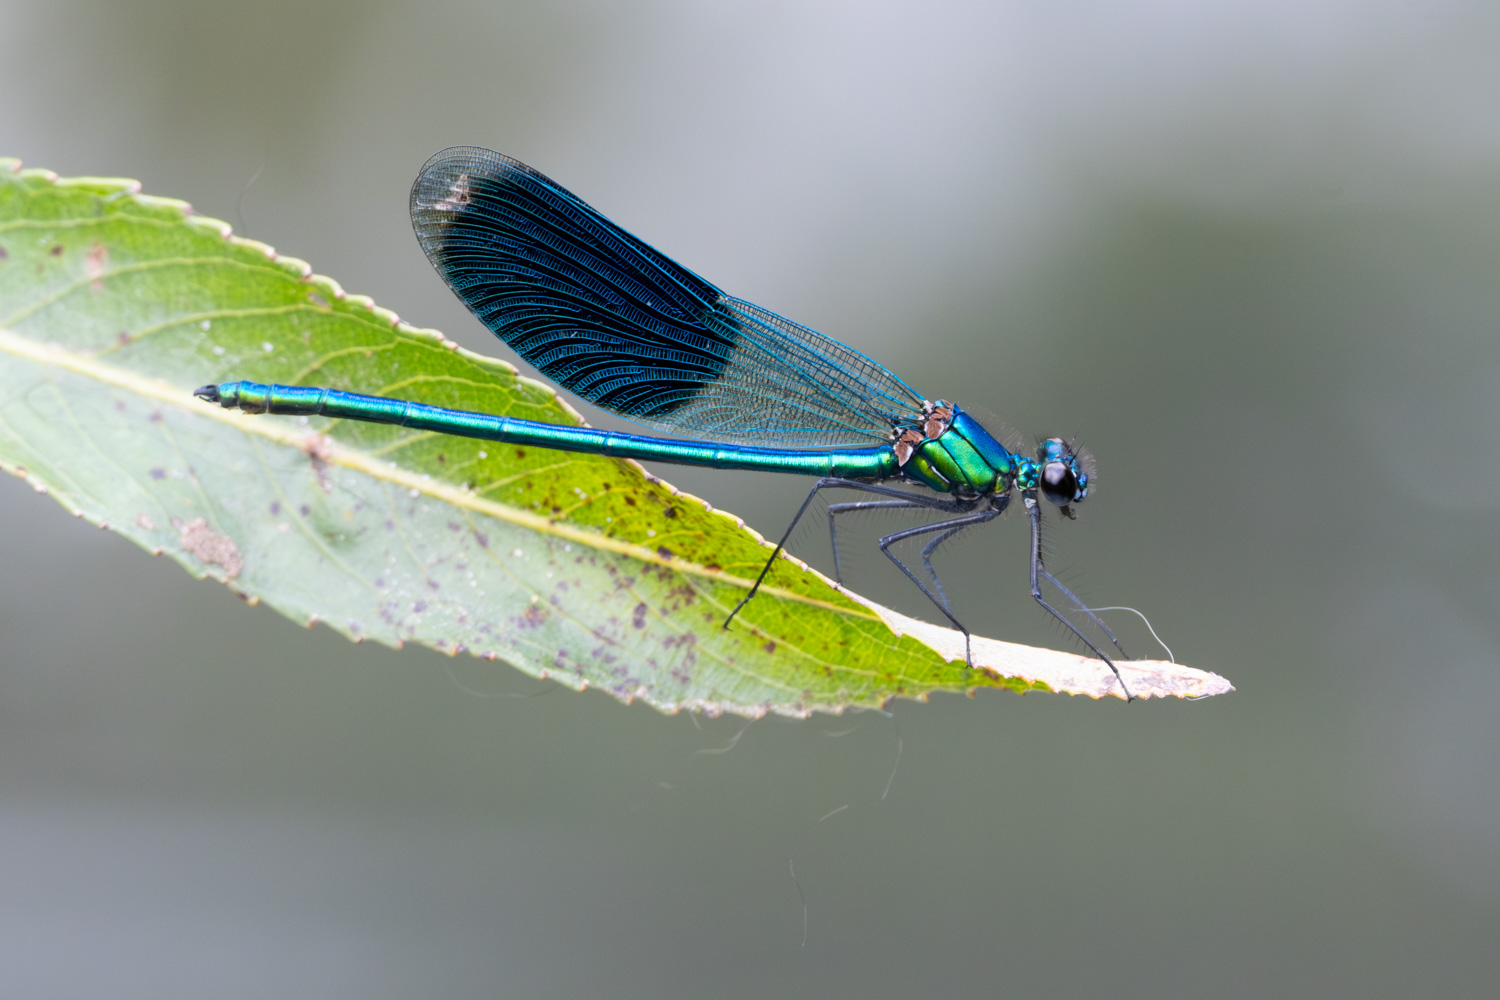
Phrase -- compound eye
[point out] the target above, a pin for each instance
(1059, 483)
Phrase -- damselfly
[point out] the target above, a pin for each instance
(624, 326)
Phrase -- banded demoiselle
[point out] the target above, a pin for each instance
(622, 325)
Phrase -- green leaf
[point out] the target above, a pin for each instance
(114, 306)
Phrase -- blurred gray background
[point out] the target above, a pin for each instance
(1247, 251)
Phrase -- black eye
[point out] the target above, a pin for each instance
(1059, 484)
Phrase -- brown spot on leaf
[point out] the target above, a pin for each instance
(57, 250)
(94, 265)
(211, 547)
(664, 552)
(638, 617)
(319, 448)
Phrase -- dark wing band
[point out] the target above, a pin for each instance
(610, 318)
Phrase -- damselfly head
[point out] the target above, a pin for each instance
(1065, 473)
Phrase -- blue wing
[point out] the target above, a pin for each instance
(610, 318)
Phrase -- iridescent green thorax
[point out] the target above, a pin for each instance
(952, 453)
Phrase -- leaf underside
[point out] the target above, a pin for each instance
(114, 306)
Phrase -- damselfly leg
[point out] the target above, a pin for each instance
(905, 498)
(1034, 511)
(835, 509)
(948, 529)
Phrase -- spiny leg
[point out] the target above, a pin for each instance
(927, 551)
(1000, 503)
(844, 508)
(1085, 609)
(934, 503)
(947, 528)
(1035, 512)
